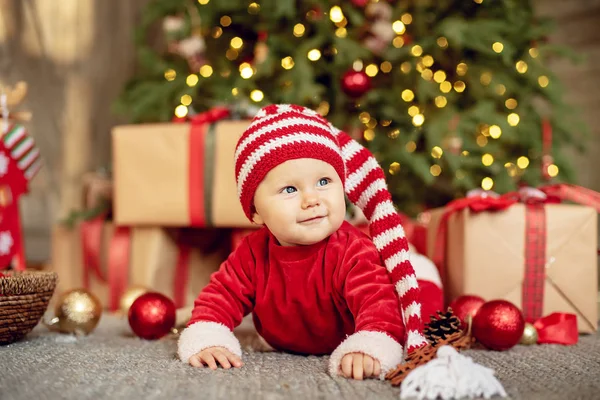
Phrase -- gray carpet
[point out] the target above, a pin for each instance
(111, 364)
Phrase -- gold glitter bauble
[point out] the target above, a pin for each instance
(77, 311)
(129, 297)
(530, 335)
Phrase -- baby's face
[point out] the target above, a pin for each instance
(300, 201)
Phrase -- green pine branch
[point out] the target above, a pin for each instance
(472, 32)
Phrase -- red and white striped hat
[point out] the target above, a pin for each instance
(284, 132)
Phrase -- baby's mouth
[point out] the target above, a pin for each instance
(312, 220)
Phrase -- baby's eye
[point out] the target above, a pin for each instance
(289, 189)
(323, 182)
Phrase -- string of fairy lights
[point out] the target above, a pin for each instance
(424, 66)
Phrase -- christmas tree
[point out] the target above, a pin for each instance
(450, 95)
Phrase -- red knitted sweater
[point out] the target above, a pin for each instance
(304, 299)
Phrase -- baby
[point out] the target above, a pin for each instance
(314, 283)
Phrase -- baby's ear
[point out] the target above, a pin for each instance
(257, 219)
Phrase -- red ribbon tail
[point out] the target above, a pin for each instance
(91, 243)
(182, 271)
(118, 265)
(439, 254)
(557, 328)
(196, 175)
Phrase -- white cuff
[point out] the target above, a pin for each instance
(202, 335)
(378, 345)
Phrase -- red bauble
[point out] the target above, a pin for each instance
(355, 83)
(498, 325)
(360, 3)
(465, 305)
(152, 316)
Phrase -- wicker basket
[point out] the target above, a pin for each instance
(24, 297)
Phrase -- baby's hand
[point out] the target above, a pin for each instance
(359, 366)
(213, 355)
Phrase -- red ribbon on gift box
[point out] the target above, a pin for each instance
(120, 245)
(182, 272)
(91, 243)
(535, 246)
(119, 251)
(118, 258)
(118, 265)
(197, 166)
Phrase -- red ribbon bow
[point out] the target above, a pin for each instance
(207, 117)
(557, 328)
(213, 115)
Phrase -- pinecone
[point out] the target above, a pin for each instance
(442, 327)
(442, 330)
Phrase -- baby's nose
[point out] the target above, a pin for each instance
(310, 199)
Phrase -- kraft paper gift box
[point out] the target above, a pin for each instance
(168, 175)
(485, 256)
(66, 260)
(151, 262)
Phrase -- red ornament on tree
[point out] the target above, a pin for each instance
(355, 83)
(498, 325)
(360, 3)
(152, 316)
(465, 306)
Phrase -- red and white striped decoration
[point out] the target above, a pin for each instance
(22, 149)
(283, 132)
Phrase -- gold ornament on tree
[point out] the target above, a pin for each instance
(530, 335)
(130, 295)
(77, 312)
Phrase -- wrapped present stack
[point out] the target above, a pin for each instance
(156, 223)
(527, 247)
(19, 163)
